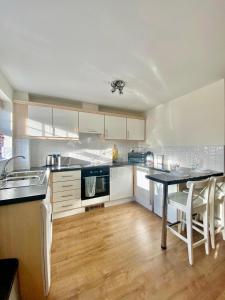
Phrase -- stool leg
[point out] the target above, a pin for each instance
(212, 225)
(180, 214)
(183, 223)
(206, 231)
(189, 237)
(223, 219)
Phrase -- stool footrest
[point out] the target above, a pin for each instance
(177, 234)
(173, 224)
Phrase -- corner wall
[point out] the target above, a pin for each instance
(194, 119)
(190, 130)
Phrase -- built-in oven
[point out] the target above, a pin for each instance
(94, 185)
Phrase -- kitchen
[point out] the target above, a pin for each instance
(99, 177)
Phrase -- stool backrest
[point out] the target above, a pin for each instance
(198, 190)
(217, 188)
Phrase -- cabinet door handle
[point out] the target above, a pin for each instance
(65, 196)
(106, 133)
(128, 134)
(65, 176)
(67, 205)
(67, 185)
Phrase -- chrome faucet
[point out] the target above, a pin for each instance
(4, 171)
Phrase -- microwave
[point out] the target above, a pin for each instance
(141, 158)
(137, 157)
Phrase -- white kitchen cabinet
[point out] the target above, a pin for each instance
(143, 187)
(115, 128)
(65, 123)
(66, 193)
(91, 123)
(158, 199)
(39, 122)
(135, 129)
(121, 183)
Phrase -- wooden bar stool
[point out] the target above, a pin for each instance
(217, 203)
(196, 201)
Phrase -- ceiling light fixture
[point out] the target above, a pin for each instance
(118, 85)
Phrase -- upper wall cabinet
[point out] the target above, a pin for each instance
(34, 120)
(65, 123)
(135, 129)
(39, 121)
(91, 123)
(115, 128)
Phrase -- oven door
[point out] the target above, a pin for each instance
(101, 187)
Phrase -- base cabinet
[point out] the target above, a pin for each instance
(21, 236)
(121, 183)
(158, 199)
(150, 194)
(66, 193)
(143, 188)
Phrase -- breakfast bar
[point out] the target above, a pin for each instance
(177, 177)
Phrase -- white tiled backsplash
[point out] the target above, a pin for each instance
(206, 157)
(93, 148)
(90, 148)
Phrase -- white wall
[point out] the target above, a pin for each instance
(90, 148)
(6, 90)
(194, 119)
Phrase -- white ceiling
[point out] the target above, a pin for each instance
(74, 48)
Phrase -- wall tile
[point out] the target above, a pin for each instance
(90, 148)
(206, 157)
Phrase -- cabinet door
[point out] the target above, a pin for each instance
(65, 123)
(115, 128)
(142, 187)
(158, 199)
(91, 123)
(121, 183)
(39, 122)
(135, 129)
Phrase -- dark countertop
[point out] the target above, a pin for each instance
(79, 167)
(159, 174)
(38, 192)
(25, 194)
(8, 269)
(110, 165)
(181, 176)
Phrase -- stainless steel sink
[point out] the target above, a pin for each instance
(22, 179)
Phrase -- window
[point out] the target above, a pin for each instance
(5, 146)
(5, 129)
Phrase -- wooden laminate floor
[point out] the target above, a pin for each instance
(114, 253)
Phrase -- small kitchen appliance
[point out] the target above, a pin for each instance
(137, 157)
(50, 160)
(149, 158)
(53, 160)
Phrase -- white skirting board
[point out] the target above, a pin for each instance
(82, 209)
(117, 202)
(95, 201)
(68, 213)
